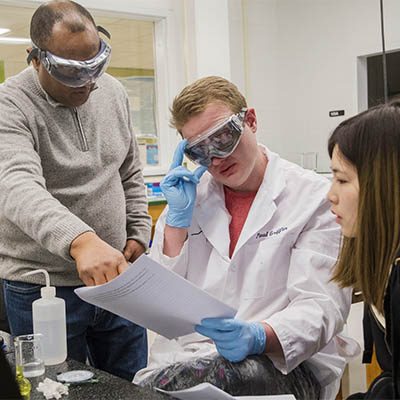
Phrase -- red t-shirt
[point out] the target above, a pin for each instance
(238, 204)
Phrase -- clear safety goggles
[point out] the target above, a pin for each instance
(74, 73)
(220, 141)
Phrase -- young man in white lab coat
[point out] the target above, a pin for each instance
(256, 232)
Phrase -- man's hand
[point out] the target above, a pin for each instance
(179, 188)
(234, 339)
(96, 261)
(133, 250)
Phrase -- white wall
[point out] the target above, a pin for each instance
(237, 21)
(263, 76)
(214, 40)
(302, 57)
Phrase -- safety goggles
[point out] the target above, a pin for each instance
(220, 141)
(74, 73)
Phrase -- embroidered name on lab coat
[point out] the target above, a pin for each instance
(261, 235)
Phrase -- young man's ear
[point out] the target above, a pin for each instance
(251, 119)
(35, 61)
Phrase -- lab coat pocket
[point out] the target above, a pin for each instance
(266, 270)
(253, 288)
(250, 274)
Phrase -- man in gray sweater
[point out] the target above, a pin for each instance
(72, 197)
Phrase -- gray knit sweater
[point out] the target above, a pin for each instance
(65, 171)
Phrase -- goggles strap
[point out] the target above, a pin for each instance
(104, 31)
(35, 52)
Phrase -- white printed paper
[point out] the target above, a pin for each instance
(210, 392)
(157, 299)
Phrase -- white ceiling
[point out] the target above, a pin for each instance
(131, 40)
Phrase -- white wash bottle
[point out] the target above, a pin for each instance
(48, 314)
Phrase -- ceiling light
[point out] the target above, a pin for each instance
(4, 30)
(14, 40)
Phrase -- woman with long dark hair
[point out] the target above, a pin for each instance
(365, 197)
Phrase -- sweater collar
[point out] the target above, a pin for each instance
(38, 89)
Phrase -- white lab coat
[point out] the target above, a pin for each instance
(279, 272)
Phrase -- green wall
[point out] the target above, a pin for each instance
(2, 72)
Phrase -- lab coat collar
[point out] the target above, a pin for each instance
(214, 219)
(264, 206)
(212, 215)
(275, 176)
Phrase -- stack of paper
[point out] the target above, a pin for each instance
(157, 299)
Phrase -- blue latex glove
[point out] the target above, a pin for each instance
(179, 188)
(235, 339)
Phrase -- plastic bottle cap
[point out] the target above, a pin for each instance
(48, 291)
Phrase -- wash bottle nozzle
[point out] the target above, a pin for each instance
(46, 291)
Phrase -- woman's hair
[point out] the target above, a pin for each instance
(370, 142)
(194, 99)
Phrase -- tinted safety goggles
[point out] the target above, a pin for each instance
(74, 73)
(220, 141)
